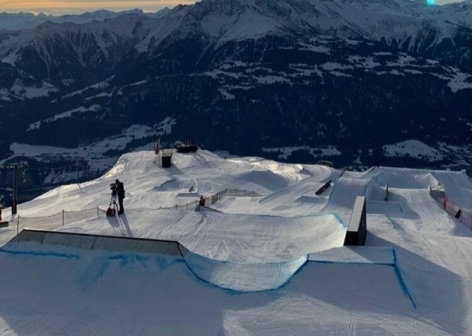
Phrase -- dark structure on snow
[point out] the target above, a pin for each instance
(357, 230)
(187, 148)
(166, 159)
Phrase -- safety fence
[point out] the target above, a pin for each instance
(56, 220)
(67, 217)
(212, 199)
(451, 207)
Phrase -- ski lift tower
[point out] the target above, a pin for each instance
(157, 145)
(15, 166)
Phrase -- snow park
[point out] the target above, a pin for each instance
(275, 249)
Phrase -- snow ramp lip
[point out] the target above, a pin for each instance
(98, 242)
(241, 277)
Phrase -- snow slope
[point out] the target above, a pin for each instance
(270, 264)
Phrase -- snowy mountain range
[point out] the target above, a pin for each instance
(20, 21)
(352, 81)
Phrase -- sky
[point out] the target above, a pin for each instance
(54, 7)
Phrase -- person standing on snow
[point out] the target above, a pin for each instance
(120, 190)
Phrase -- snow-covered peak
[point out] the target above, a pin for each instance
(160, 13)
(410, 24)
(82, 37)
(19, 21)
(390, 20)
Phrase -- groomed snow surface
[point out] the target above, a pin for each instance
(272, 264)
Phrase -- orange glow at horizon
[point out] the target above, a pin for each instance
(80, 6)
(56, 7)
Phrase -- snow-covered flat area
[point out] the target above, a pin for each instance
(413, 149)
(265, 258)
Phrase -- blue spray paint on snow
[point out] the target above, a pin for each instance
(233, 291)
(93, 272)
(401, 280)
(392, 264)
(339, 220)
(41, 254)
(242, 277)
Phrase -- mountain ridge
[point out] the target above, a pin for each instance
(311, 78)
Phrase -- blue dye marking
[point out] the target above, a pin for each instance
(398, 273)
(164, 263)
(430, 2)
(92, 273)
(230, 291)
(42, 254)
(294, 274)
(124, 260)
(118, 257)
(339, 220)
(350, 262)
(400, 279)
(240, 291)
(98, 269)
(142, 258)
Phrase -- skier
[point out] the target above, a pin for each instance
(202, 201)
(120, 189)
